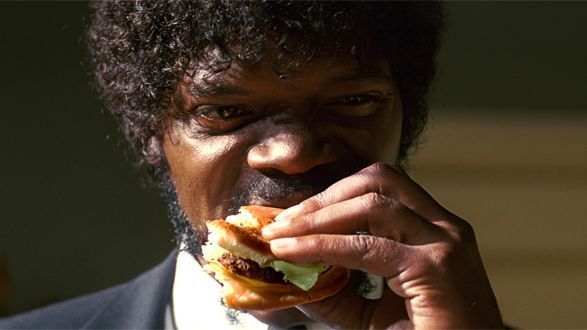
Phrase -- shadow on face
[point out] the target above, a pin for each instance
(246, 135)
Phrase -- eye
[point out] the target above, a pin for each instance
(219, 119)
(222, 113)
(355, 100)
(360, 105)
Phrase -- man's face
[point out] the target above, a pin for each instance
(246, 136)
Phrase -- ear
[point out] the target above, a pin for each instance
(152, 151)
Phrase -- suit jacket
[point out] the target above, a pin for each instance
(138, 304)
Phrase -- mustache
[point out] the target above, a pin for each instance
(268, 186)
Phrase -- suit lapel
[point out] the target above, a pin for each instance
(141, 303)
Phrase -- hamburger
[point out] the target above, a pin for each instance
(251, 276)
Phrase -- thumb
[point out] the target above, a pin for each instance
(350, 310)
(347, 309)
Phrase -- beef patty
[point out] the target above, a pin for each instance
(250, 269)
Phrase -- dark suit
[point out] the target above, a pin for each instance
(138, 304)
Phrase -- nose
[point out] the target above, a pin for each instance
(292, 149)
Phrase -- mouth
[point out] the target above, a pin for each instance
(282, 202)
(283, 191)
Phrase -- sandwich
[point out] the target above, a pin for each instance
(252, 277)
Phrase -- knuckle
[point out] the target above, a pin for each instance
(447, 253)
(386, 171)
(321, 243)
(396, 206)
(375, 199)
(308, 223)
(316, 202)
(462, 232)
(380, 176)
(444, 256)
(456, 248)
(365, 247)
(380, 167)
(457, 230)
(313, 244)
(383, 203)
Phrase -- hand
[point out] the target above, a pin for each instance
(381, 222)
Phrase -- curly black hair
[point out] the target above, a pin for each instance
(141, 49)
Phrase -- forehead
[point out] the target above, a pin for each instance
(296, 75)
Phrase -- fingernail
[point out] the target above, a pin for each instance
(282, 243)
(289, 213)
(272, 229)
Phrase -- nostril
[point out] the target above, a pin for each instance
(294, 150)
(277, 174)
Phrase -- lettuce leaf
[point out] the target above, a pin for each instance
(303, 276)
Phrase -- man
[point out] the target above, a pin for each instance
(306, 106)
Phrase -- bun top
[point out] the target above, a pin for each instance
(240, 235)
(254, 216)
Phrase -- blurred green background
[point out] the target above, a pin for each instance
(75, 218)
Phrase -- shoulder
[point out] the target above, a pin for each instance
(72, 313)
(139, 303)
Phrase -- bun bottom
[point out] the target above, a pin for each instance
(243, 293)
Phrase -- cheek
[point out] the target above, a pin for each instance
(205, 172)
(387, 137)
(378, 139)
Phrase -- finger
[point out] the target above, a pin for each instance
(328, 311)
(370, 254)
(366, 313)
(379, 178)
(371, 213)
(390, 181)
(391, 310)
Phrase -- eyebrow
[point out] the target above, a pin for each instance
(358, 75)
(215, 89)
(209, 89)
